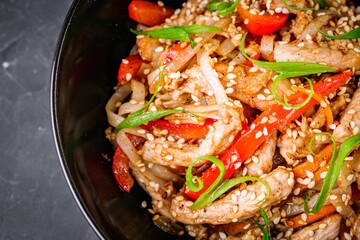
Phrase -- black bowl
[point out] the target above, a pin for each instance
(94, 39)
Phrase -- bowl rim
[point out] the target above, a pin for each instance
(54, 122)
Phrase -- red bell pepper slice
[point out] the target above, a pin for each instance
(184, 130)
(249, 140)
(148, 13)
(262, 24)
(120, 164)
(254, 56)
(174, 51)
(131, 67)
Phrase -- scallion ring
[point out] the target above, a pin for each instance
(266, 229)
(312, 139)
(286, 104)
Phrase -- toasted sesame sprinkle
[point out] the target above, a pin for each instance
(258, 135)
(128, 76)
(159, 49)
(297, 191)
(339, 209)
(150, 137)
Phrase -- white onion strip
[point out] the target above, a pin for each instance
(127, 147)
(267, 45)
(119, 96)
(210, 76)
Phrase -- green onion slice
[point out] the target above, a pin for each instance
(286, 104)
(266, 220)
(335, 165)
(287, 70)
(224, 8)
(312, 139)
(210, 194)
(140, 117)
(179, 33)
(192, 185)
(353, 34)
(322, 3)
(295, 7)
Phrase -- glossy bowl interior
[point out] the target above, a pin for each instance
(94, 39)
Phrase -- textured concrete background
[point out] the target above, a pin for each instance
(35, 201)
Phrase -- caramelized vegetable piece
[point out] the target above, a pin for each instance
(120, 164)
(148, 13)
(261, 24)
(299, 221)
(129, 67)
(186, 131)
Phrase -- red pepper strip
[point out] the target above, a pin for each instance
(262, 24)
(183, 130)
(249, 140)
(174, 51)
(254, 56)
(132, 67)
(148, 13)
(120, 164)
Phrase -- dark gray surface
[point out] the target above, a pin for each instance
(35, 201)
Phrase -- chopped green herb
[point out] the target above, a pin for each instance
(353, 34)
(140, 117)
(180, 33)
(335, 165)
(223, 8)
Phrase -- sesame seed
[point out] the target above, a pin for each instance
(254, 69)
(343, 197)
(264, 120)
(265, 131)
(322, 226)
(229, 90)
(234, 158)
(349, 158)
(332, 126)
(198, 39)
(261, 97)
(255, 159)
(311, 184)
(297, 191)
(150, 137)
(301, 44)
(347, 236)
(125, 61)
(237, 165)
(309, 174)
(339, 209)
(231, 75)
(222, 235)
(310, 158)
(252, 126)
(128, 76)
(169, 157)
(311, 233)
(196, 215)
(291, 181)
(352, 111)
(235, 208)
(143, 204)
(246, 21)
(304, 217)
(210, 93)
(258, 135)
(308, 37)
(159, 49)
(350, 177)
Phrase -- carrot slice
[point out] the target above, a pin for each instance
(300, 170)
(301, 220)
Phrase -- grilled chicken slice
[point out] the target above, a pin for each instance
(317, 54)
(263, 162)
(236, 204)
(173, 154)
(350, 121)
(318, 231)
